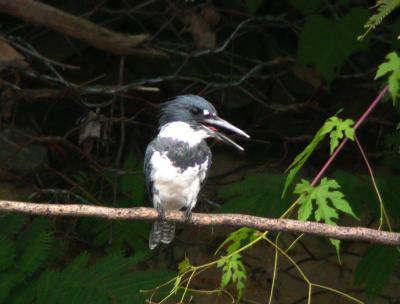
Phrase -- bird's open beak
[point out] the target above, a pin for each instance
(212, 124)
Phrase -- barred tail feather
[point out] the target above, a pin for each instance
(162, 232)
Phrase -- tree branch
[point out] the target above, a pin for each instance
(202, 219)
(82, 29)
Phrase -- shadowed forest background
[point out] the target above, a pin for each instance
(75, 121)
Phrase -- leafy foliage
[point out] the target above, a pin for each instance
(27, 249)
(327, 44)
(376, 267)
(233, 269)
(336, 128)
(131, 184)
(384, 8)
(115, 235)
(237, 239)
(108, 279)
(325, 198)
(391, 67)
(257, 194)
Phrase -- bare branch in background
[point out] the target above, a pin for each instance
(79, 28)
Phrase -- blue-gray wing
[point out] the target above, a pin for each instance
(207, 152)
(147, 167)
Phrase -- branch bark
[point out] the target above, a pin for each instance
(202, 219)
(82, 29)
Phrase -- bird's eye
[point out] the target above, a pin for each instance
(195, 110)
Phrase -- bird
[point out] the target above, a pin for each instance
(177, 161)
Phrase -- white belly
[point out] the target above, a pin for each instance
(174, 188)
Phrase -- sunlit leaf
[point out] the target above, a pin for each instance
(391, 67)
(325, 198)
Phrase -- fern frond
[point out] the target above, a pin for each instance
(34, 246)
(24, 293)
(109, 280)
(8, 280)
(12, 223)
(7, 253)
(384, 8)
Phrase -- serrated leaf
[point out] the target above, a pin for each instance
(234, 271)
(336, 244)
(301, 158)
(391, 67)
(384, 8)
(337, 129)
(184, 265)
(326, 199)
(34, 246)
(238, 238)
(375, 268)
(338, 201)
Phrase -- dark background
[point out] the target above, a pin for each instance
(276, 69)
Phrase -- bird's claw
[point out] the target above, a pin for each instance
(161, 213)
(188, 214)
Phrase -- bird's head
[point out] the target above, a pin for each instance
(200, 115)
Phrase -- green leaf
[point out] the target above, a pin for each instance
(8, 280)
(238, 238)
(233, 271)
(257, 194)
(131, 183)
(301, 158)
(385, 7)
(375, 268)
(115, 235)
(391, 67)
(327, 44)
(326, 199)
(109, 280)
(336, 244)
(184, 265)
(12, 223)
(7, 253)
(337, 129)
(34, 246)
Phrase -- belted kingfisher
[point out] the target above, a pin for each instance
(177, 161)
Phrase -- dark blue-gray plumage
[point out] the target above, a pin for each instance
(177, 161)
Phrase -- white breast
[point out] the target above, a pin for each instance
(173, 187)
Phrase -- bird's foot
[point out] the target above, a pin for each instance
(188, 215)
(161, 213)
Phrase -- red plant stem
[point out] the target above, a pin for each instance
(345, 140)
